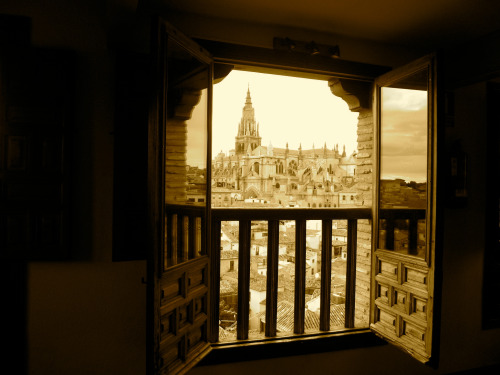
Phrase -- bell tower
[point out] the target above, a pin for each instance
(248, 137)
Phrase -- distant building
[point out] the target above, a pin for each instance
(253, 175)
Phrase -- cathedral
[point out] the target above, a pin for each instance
(253, 175)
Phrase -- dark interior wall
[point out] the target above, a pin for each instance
(85, 315)
(260, 35)
(463, 341)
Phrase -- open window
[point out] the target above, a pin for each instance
(404, 241)
(185, 231)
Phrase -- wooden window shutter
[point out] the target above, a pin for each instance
(404, 287)
(179, 212)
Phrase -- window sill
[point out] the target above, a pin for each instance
(291, 346)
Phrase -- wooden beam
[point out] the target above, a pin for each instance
(272, 277)
(243, 280)
(350, 288)
(300, 275)
(291, 213)
(266, 60)
(326, 275)
(214, 286)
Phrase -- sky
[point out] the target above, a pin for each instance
(288, 109)
(197, 134)
(404, 134)
(304, 111)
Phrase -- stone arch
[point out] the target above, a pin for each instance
(279, 167)
(256, 167)
(292, 168)
(251, 192)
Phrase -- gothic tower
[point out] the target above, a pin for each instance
(248, 129)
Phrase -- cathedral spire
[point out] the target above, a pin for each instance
(248, 128)
(249, 98)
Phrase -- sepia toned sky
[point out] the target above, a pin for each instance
(304, 111)
(404, 134)
(288, 109)
(196, 154)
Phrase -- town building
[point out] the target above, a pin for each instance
(255, 175)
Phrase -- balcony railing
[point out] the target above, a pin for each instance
(273, 217)
(184, 233)
(410, 223)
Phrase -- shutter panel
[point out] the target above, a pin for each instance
(35, 94)
(404, 243)
(179, 175)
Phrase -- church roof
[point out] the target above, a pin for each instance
(228, 286)
(351, 159)
(229, 254)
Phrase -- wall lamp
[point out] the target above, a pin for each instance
(310, 48)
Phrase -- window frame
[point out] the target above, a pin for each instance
(331, 341)
(431, 264)
(302, 66)
(353, 82)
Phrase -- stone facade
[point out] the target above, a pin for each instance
(252, 174)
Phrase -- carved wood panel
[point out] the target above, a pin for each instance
(402, 303)
(183, 315)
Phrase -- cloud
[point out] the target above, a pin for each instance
(403, 99)
(404, 144)
(408, 168)
(404, 133)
